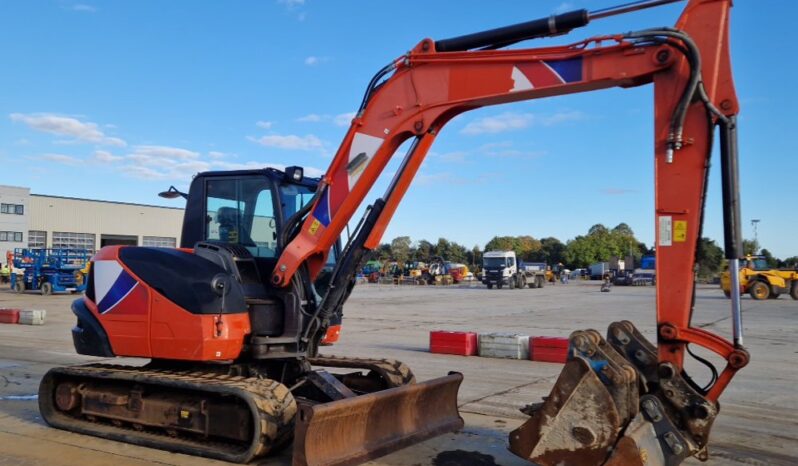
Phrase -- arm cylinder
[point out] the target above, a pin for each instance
(732, 236)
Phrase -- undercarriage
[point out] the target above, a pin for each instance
(238, 412)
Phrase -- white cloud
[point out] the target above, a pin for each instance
(315, 60)
(617, 191)
(66, 126)
(511, 121)
(105, 156)
(84, 8)
(61, 158)
(452, 157)
(344, 119)
(162, 163)
(563, 7)
(312, 118)
(291, 3)
(264, 124)
(166, 152)
(309, 171)
(290, 142)
(447, 178)
(214, 154)
(142, 173)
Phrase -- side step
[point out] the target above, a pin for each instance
(354, 430)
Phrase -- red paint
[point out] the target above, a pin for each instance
(145, 324)
(460, 343)
(548, 349)
(9, 316)
(332, 335)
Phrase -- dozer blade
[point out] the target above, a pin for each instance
(361, 428)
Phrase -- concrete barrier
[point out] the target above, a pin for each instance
(504, 345)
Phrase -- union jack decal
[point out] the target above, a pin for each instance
(546, 73)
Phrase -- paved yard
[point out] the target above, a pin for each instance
(758, 424)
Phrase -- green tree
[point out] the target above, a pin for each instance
(597, 229)
(424, 250)
(791, 262)
(581, 251)
(382, 253)
(709, 258)
(750, 246)
(527, 247)
(551, 251)
(475, 257)
(772, 261)
(501, 243)
(400, 249)
(600, 244)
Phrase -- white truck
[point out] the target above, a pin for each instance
(501, 268)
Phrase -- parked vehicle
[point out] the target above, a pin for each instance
(623, 277)
(49, 270)
(761, 281)
(644, 277)
(501, 268)
(648, 262)
(598, 270)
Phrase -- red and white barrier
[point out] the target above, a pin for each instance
(22, 316)
(499, 345)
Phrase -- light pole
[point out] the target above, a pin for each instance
(754, 224)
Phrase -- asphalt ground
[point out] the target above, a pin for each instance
(758, 422)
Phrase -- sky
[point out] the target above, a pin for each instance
(119, 100)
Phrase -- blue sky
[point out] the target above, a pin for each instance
(118, 100)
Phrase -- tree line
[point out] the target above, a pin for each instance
(600, 244)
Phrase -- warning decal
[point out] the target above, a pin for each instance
(665, 230)
(680, 231)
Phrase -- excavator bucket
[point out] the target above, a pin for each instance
(357, 429)
(594, 398)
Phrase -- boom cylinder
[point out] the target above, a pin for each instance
(555, 24)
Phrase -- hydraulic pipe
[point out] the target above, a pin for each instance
(628, 8)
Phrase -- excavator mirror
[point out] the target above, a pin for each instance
(172, 193)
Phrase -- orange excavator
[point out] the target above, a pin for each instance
(231, 321)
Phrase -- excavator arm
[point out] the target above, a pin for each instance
(641, 389)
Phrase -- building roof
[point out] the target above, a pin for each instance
(107, 202)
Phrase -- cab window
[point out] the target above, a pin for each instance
(241, 211)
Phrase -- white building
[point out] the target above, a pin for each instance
(35, 220)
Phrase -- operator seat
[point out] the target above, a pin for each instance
(230, 230)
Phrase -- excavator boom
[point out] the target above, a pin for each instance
(616, 396)
(232, 320)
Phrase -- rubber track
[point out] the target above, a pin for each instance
(275, 404)
(395, 373)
